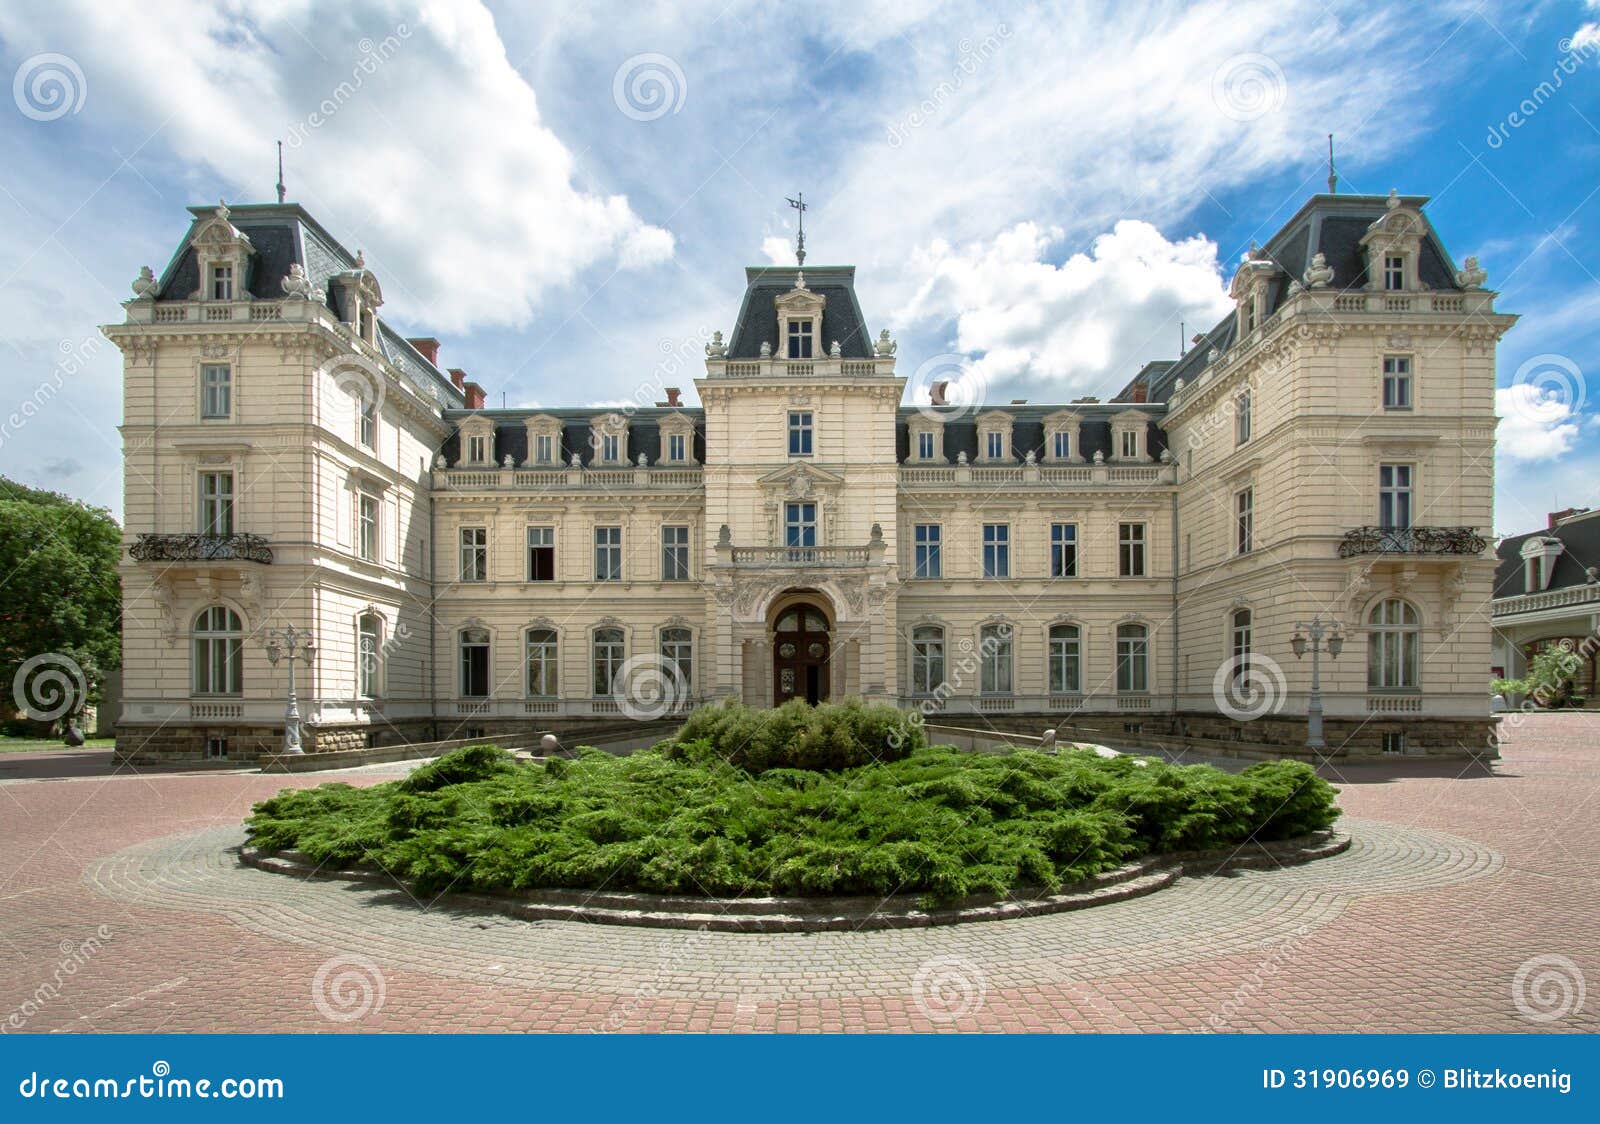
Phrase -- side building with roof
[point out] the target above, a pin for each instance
(1135, 570)
(1547, 593)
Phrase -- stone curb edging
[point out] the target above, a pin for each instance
(848, 914)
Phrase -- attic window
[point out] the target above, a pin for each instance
(1534, 577)
(543, 448)
(1394, 272)
(925, 446)
(800, 339)
(222, 282)
(610, 448)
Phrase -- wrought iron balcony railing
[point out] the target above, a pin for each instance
(202, 548)
(1411, 540)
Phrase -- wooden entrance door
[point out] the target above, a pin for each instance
(800, 655)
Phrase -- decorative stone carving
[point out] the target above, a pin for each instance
(1394, 199)
(1470, 276)
(439, 461)
(1295, 288)
(644, 461)
(1211, 356)
(716, 349)
(961, 457)
(835, 351)
(1320, 274)
(577, 461)
(1099, 456)
(145, 285)
(883, 346)
(1031, 458)
(766, 350)
(297, 286)
(507, 462)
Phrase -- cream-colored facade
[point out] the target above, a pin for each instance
(1137, 567)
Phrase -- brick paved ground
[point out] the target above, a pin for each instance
(1460, 878)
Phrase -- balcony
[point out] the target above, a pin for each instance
(1411, 540)
(202, 548)
(801, 555)
(488, 478)
(777, 367)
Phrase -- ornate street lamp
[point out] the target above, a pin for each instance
(1321, 634)
(288, 643)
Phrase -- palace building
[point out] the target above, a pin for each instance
(1310, 484)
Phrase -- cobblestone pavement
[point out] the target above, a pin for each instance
(1466, 903)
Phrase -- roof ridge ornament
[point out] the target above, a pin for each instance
(799, 204)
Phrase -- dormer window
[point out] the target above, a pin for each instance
(222, 282)
(1249, 314)
(924, 446)
(543, 449)
(1130, 444)
(1394, 272)
(610, 447)
(676, 448)
(800, 337)
(1534, 577)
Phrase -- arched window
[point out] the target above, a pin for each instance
(218, 652)
(994, 645)
(1066, 659)
(677, 655)
(1133, 659)
(608, 648)
(1394, 645)
(541, 647)
(369, 651)
(474, 663)
(927, 659)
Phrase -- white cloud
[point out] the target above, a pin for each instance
(1535, 424)
(407, 132)
(777, 251)
(1067, 329)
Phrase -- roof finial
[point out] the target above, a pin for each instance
(1333, 176)
(281, 190)
(799, 204)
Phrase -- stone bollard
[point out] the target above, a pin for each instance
(550, 745)
(1047, 744)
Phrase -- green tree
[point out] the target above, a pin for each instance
(60, 596)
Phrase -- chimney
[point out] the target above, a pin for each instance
(1019, 401)
(1139, 393)
(1077, 401)
(459, 377)
(1556, 517)
(428, 347)
(936, 393)
(474, 395)
(672, 396)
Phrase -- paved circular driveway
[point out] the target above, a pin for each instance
(1466, 904)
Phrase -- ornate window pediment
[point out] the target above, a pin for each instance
(477, 441)
(1128, 432)
(800, 480)
(932, 449)
(800, 322)
(360, 298)
(222, 255)
(994, 436)
(680, 427)
(1249, 289)
(1068, 424)
(544, 440)
(608, 439)
(1393, 246)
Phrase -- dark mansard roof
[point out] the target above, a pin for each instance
(841, 314)
(1579, 535)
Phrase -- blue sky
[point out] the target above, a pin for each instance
(567, 197)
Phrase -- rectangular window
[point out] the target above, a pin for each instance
(799, 339)
(677, 447)
(541, 663)
(1396, 382)
(799, 433)
(608, 657)
(474, 554)
(996, 550)
(1133, 659)
(216, 390)
(368, 427)
(610, 448)
(925, 446)
(1394, 742)
(543, 449)
(1394, 496)
(216, 503)
(1063, 445)
(222, 282)
(674, 554)
(677, 659)
(367, 527)
(608, 554)
(800, 531)
(928, 540)
(995, 447)
(1244, 511)
(216, 747)
(1063, 550)
(369, 653)
(1241, 419)
(477, 449)
(1130, 550)
(995, 667)
(541, 554)
(1130, 444)
(1394, 272)
(475, 664)
(927, 659)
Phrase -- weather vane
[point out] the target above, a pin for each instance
(799, 204)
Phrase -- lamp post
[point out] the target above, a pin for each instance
(289, 642)
(1321, 634)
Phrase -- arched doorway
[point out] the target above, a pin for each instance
(800, 650)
